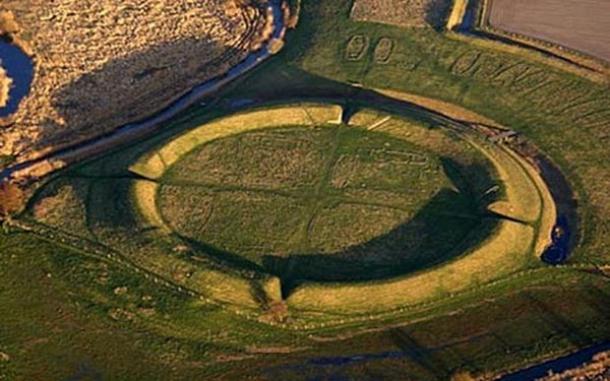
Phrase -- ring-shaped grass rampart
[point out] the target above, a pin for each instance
(527, 211)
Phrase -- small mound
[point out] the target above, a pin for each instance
(5, 86)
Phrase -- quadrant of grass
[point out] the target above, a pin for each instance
(282, 159)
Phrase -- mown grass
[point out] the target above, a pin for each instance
(491, 328)
(295, 196)
(564, 114)
(268, 184)
(95, 318)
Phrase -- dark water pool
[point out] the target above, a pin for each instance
(20, 68)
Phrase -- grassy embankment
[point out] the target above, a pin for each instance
(565, 115)
(83, 197)
(530, 317)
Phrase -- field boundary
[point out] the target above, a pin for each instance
(575, 56)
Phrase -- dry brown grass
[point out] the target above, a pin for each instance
(101, 64)
(64, 207)
(409, 13)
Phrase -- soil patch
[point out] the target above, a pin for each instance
(582, 25)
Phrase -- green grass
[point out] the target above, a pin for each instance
(565, 115)
(319, 169)
(309, 204)
(321, 209)
(59, 324)
(82, 314)
(325, 204)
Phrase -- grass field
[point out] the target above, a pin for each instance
(563, 114)
(178, 226)
(302, 191)
(166, 307)
(322, 208)
(145, 330)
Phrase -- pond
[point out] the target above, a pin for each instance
(20, 68)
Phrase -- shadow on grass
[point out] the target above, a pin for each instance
(222, 257)
(452, 222)
(134, 89)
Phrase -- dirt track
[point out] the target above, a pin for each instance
(582, 25)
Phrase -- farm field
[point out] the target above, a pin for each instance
(375, 202)
(581, 25)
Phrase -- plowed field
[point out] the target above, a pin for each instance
(582, 25)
